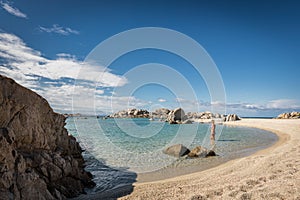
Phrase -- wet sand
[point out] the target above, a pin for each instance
(272, 173)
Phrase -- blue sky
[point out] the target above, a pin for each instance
(255, 45)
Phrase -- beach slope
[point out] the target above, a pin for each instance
(272, 173)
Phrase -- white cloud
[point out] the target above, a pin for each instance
(14, 49)
(23, 61)
(66, 55)
(59, 30)
(283, 104)
(270, 108)
(12, 10)
(161, 100)
(54, 79)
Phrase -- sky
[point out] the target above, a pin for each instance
(52, 47)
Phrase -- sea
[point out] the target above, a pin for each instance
(119, 152)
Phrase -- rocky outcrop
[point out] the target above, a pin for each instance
(131, 113)
(176, 116)
(161, 113)
(176, 150)
(179, 150)
(204, 115)
(38, 159)
(200, 151)
(232, 117)
(291, 115)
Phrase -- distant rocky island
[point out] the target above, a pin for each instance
(176, 116)
(38, 159)
(290, 115)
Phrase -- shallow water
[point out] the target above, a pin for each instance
(119, 149)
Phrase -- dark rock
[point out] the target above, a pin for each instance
(38, 159)
(177, 150)
(211, 153)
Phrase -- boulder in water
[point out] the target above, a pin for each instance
(200, 151)
(211, 153)
(177, 150)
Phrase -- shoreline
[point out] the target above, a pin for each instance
(209, 163)
(205, 184)
(282, 137)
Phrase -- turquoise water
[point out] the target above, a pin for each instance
(119, 149)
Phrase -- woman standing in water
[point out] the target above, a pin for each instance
(212, 134)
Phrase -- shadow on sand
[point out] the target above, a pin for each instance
(111, 183)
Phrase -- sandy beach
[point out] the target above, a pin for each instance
(272, 173)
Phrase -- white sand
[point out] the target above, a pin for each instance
(272, 173)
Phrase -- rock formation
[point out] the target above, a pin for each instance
(131, 113)
(38, 159)
(200, 151)
(179, 150)
(161, 113)
(176, 150)
(232, 117)
(176, 116)
(291, 115)
(204, 115)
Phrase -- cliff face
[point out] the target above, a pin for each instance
(38, 159)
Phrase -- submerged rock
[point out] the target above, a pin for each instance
(200, 151)
(38, 159)
(177, 150)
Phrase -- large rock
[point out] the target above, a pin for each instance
(38, 159)
(291, 115)
(177, 150)
(176, 116)
(200, 151)
(231, 117)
